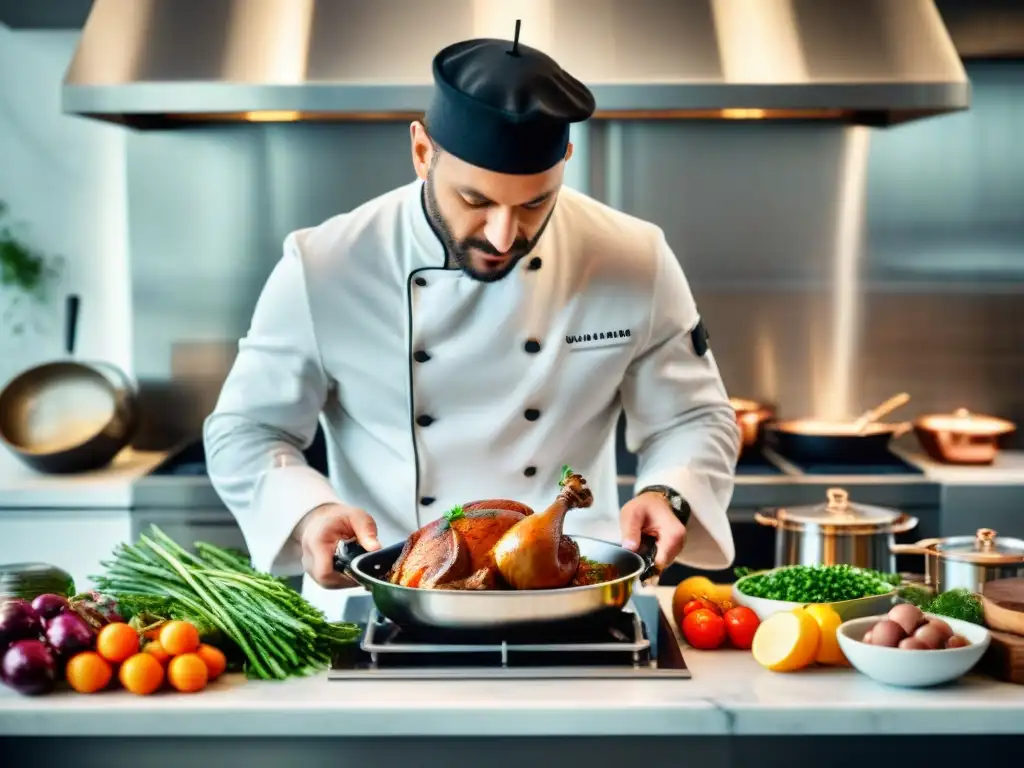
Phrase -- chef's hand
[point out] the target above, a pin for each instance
(319, 533)
(651, 513)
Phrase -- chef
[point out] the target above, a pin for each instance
(465, 336)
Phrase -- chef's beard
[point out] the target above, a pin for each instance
(459, 251)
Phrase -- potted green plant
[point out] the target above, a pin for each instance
(24, 273)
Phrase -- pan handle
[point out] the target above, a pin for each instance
(899, 430)
(902, 525)
(923, 547)
(346, 552)
(72, 304)
(648, 550)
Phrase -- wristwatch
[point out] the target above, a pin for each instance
(674, 498)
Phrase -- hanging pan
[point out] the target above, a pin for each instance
(66, 416)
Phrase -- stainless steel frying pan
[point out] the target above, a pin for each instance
(497, 609)
(68, 416)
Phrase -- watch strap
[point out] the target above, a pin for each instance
(675, 500)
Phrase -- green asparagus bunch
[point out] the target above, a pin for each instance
(278, 632)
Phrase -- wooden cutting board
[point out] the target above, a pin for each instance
(1004, 659)
(1003, 600)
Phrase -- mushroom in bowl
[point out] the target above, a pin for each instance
(909, 648)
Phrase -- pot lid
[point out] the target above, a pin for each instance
(839, 510)
(963, 421)
(985, 547)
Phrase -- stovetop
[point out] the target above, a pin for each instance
(637, 642)
(754, 462)
(890, 465)
(765, 462)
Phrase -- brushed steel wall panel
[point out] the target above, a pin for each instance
(947, 351)
(208, 211)
(743, 203)
(752, 210)
(945, 197)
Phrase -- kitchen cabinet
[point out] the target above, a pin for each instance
(76, 540)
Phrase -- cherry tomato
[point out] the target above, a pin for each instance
(690, 607)
(704, 629)
(741, 623)
(699, 602)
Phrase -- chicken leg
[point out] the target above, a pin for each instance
(533, 553)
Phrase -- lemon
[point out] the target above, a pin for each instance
(828, 622)
(721, 593)
(786, 642)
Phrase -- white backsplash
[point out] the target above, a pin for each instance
(63, 180)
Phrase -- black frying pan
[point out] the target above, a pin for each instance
(812, 442)
(862, 441)
(66, 417)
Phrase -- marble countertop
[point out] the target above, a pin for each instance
(728, 694)
(111, 487)
(1007, 469)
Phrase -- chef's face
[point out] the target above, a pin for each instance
(489, 221)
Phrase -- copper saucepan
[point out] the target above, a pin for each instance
(861, 441)
(752, 417)
(962, 437)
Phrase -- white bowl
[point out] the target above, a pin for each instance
(912, 669)
(847, 609)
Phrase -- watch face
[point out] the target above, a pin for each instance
(673, 498)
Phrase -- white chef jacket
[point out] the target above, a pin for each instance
(434, 389)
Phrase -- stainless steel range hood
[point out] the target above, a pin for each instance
(160, 62)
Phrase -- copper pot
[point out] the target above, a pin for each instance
(751, 416)
(961, 437)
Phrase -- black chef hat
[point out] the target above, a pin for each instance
(504, 106)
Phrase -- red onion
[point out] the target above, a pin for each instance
(48, 606)
(29, 668)
(68, 634)
(18, 621)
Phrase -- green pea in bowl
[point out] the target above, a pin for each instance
(869, 605)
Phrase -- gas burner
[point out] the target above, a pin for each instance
(620, 646)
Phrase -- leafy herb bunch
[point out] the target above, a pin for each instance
(22, 266)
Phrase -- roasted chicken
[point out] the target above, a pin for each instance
(500, 544)
(457, 546)
(533, 553)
